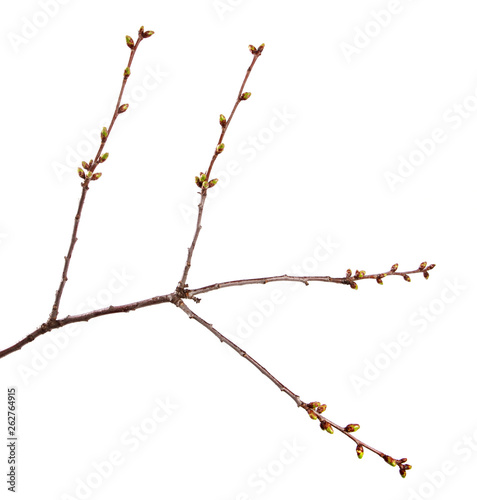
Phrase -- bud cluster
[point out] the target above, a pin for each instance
(202, 182)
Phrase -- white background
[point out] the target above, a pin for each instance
(312, 196)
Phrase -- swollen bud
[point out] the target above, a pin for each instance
(426, 275)
(81, 173)
(96, 176)
(321, 408)
(85, 165)
(223, 120)
(389, 460)
(141, 30)
(103, 158)
(349, 273)
(147, 34)
(312, 415)
(326, 426)
(354, 285)
(104, 134)
(245, 96)
(220, 148)
(360, 451)
(394, 268)
(252, 49)
(127, 72)
(407, 278)
(213, 182)
(130, 42)
(422, 266)
(379, 281)
(261, 47)
(123, 108)
(402, 472)
(352, 428)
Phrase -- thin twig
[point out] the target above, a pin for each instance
(85, 185)
(314, 410)
(218, 149)
(347, 280)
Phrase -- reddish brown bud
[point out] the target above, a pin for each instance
(360, 451)
(390, 460)
(123, 108)
(394, 268)
(379, 281)
(127, 72)
(129, 42)
(81, 173)
(422, 266)
(426, 275)
(326, 426)
(431, 266)
(223, 120)
(354, 285)
(349, 273)
(220, 148)
(352, 428)
(96, 176)
(245, 96)
(104, 134)
(147, 34)
(252, 49)
(312, 415)
(402, 472)
(213, 182)
(407, 278)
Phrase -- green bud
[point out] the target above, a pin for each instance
(96, 176)
(197, 181)
(104, 134)
(389, 460)
(220, 148)
(312, 415)
(89, 175)
(245, 96)
(326, 426)
(205, 185)
(147, 34)
(361, 274)
(130, 42)
(85, 165)
(123, 108)
(360, 451)
(315, 404)
(103, 158)
(203, 177)
(223, 120)
(81, 173)
(321, 408)
(127, 72)
(352, 428)
(213, 182)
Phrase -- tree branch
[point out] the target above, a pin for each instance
(347, 280)
(314, 409)
(67, 320)
(203, 180)
(91, 168)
